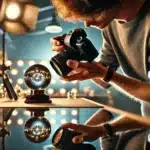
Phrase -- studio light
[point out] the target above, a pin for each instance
(54, 25)
(18, 16)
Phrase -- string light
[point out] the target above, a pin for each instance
(15, 113)
(50, 91)
(63, 112)
(20, 81)
(9, 122)
(53, 81)
(74, 82)
(63, 82)
(8, 63)
(74, 121)
(52, 112)
(53, 121)
(27, 113)
(14, 71)
(31, 62)
(43, 62)
(62, 91)
(74, 112)
(63, 121)
(20, 121)
(20, 63)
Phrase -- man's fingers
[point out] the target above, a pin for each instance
(78, 139)
(83, 75)
(58, 48)
(76, 127)
(76, 64)
(75, 71)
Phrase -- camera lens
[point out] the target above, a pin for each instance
(58, 63)
(63, 138)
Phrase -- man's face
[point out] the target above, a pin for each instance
(101, 20)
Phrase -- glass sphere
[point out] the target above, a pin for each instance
(37, 129)
(37, 77)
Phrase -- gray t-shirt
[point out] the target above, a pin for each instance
(127, 45)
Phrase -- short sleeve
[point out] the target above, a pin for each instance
(107, 55)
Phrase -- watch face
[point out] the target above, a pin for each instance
(37, 77)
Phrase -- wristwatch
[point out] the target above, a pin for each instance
(109, 130)
(109, 74)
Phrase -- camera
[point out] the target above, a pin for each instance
(62, 139)
(77, 47)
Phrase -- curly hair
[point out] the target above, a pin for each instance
(66, 9)
(75, 9)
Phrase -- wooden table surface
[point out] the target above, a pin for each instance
(71, 103)
(56, 102)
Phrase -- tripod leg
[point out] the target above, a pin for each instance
(10, 87)
(9, 95)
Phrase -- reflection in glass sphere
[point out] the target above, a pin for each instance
(37, 77)
(37, 129)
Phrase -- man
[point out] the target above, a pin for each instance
(125, 29)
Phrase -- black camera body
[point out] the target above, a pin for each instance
(78, 47)
(62, 139)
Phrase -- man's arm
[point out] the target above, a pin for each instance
(123, 123)
(132, 87)
(118, 124)
(101, 116)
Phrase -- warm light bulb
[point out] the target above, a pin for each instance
(31, 62)
(50, 91)
(8, 63)
(63, 112)
(53, 121)
(14, 71)
(63, 121)
(20, 121)
(52, 112)
(74, 121)
(20, 63)
(15, 113)
(9, 122)
(74, 112)
(62, 91)
(13, 11)
(20, 81)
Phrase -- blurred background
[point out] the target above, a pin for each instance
(35, 47)
(56, 116)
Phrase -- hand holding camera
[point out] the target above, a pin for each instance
(75, 46)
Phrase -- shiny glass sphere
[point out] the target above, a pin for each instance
(37, 129)
(37, 77)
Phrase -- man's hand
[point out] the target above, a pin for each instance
(83, 71)
(88, 133)
(57, 44)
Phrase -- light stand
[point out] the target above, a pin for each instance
(4, 132)
(9, 88)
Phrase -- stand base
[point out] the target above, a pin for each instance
(30, 99)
